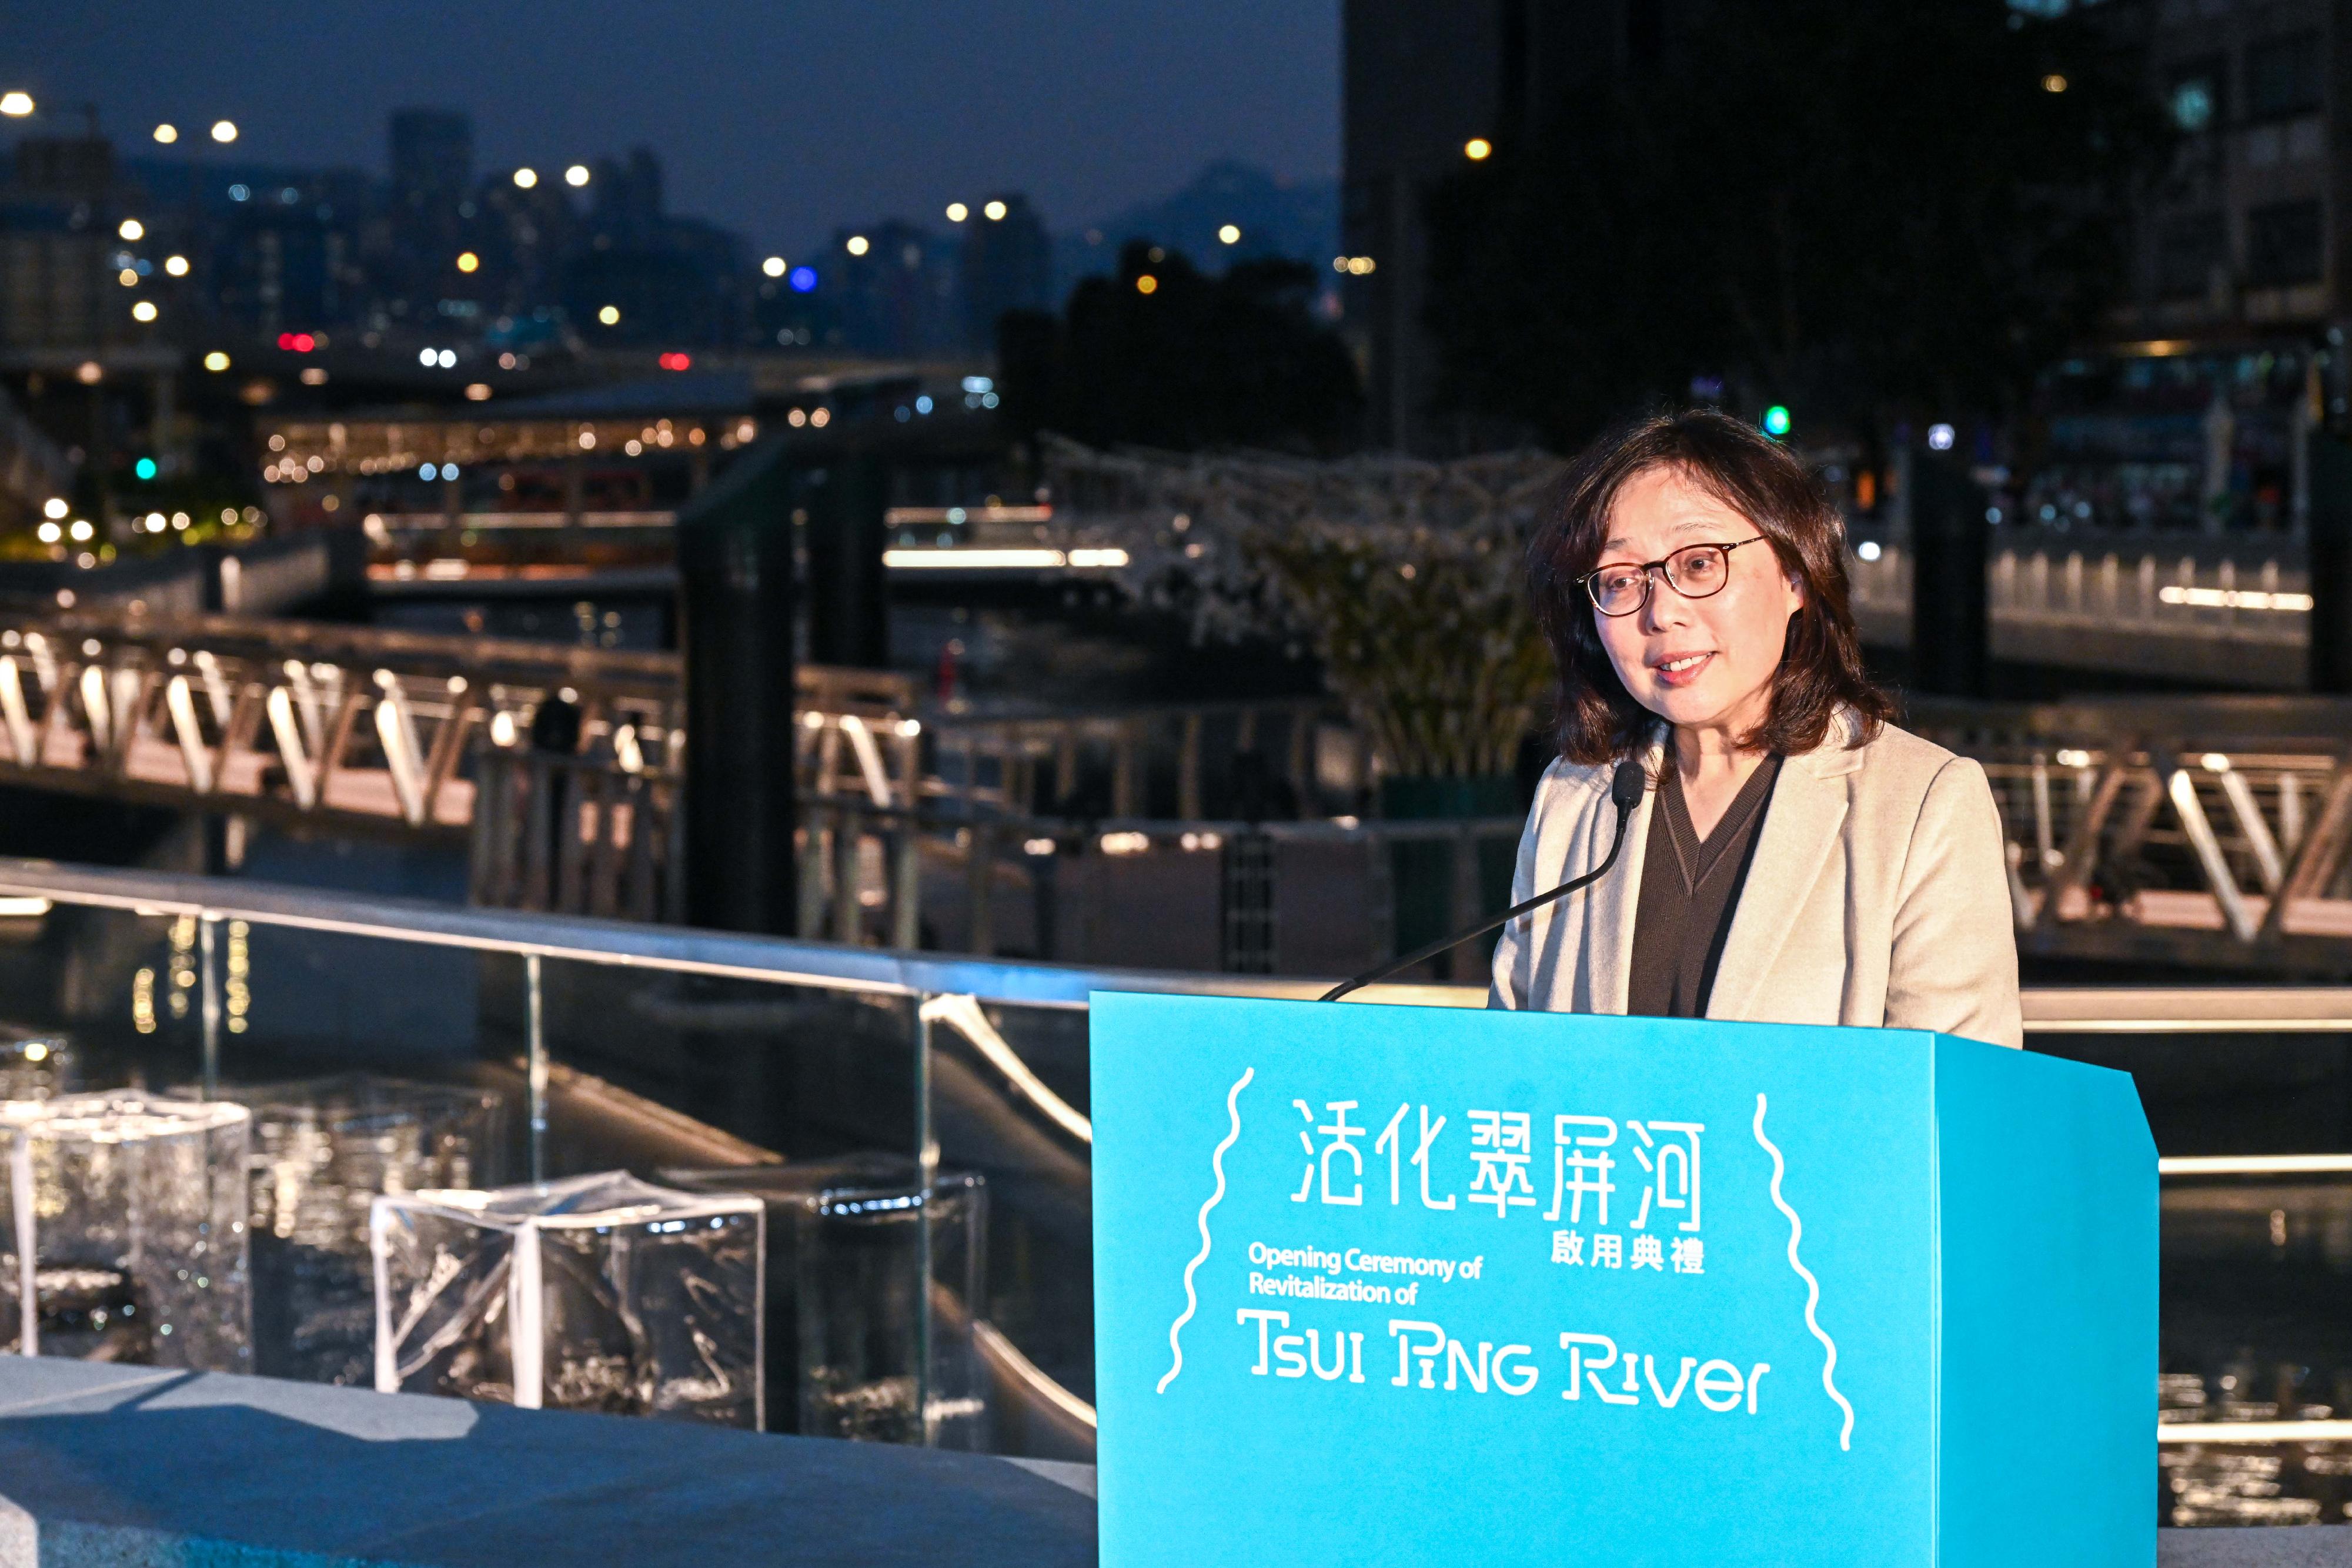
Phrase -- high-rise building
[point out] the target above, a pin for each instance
(1426, 87)
(2250, 234)
(287, 257)
(2228, 345)
(895, 286)
(432, 159)
(432, 182)
(1008, 264)
(667, 280)
(56, 244)
(625, 197)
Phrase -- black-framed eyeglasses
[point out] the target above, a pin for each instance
(1694, 571)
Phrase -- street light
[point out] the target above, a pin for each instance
(144, 311)
(525, 179)
(576, 176)
(958, 211)
(167, 133)
(467, 261)
(131, 228)
(1230, 234)
(1477, 148)
(609, 315)
(995, 211)
(224, 131)
(856, 244)
(774, 266)
(177, 265)
(16, 105)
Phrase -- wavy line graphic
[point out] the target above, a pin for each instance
(1813, 1286)
(1216, 1164)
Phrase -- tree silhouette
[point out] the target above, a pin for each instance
(1163, 355)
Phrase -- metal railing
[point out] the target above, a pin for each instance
(2215, 831)
(372, 727)
(1228, 898)
(1016, 760)
(2208, 610)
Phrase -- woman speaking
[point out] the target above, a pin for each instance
(1796, 859)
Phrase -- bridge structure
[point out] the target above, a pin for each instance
(2213, 831)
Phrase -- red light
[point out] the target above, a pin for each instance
(304, 342)
(676, 361)
(286, 342)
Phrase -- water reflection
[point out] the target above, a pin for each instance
(2255, 1269)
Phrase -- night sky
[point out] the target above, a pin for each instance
(779, 119)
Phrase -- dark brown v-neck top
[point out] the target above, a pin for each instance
(1690, 888)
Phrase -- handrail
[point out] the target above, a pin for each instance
(2189, 1009)
(835, 966)
(631, 945)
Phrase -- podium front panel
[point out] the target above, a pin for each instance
(1428, 1285)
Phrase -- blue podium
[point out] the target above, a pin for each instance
(1414, 1285)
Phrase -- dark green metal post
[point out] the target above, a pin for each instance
(1951, 647)
(735, 603)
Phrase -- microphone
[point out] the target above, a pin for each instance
(1625, 787)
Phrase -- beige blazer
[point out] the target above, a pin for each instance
(1878, 896)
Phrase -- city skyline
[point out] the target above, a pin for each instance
(781, 127)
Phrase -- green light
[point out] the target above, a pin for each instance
(144, 468)
(1776, 420)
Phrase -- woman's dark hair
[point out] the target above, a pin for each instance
(1597, 720)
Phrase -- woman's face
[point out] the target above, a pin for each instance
(1698, 663)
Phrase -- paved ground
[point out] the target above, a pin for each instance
(127, 1467)
(118, 1467)
(2314, 1546)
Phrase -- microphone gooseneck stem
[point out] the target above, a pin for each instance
(1423, 954)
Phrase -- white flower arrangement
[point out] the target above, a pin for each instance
(1407, 577)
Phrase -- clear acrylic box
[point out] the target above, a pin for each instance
(602, 1293)
(323, 1149)
(873, 1291)
(123, 1230)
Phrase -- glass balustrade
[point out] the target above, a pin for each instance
(374, 1038)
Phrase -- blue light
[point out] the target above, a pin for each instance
(803, 280)
(923, 404)
(1776, 421)
(426, 470)
(239, 192)
(144, 468)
